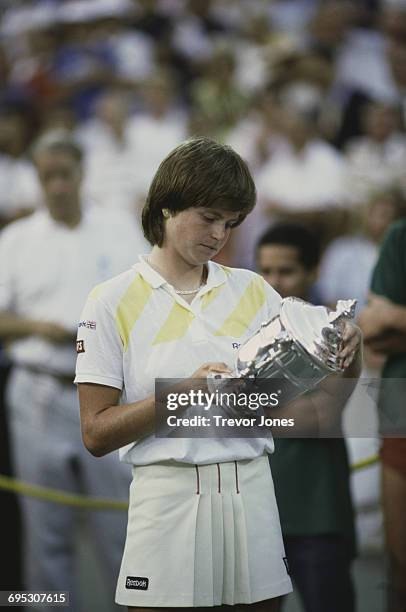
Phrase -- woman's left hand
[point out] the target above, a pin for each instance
(351, 343)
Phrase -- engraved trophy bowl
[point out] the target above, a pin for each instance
(299, 345)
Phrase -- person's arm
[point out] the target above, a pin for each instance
(388, 343)
(14, 327)
(397, 317)
(108, 425)
(381, 316)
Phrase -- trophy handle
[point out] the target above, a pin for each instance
(345, 309)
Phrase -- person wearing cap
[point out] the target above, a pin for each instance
(48, 263)
(203, 526)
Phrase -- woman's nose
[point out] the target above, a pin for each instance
(218, 230)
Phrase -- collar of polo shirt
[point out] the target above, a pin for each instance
(217, 275)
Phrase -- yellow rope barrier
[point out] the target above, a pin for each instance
(60, 497)
(365, 463)
(97, 503)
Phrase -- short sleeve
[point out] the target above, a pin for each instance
(389, 276)
(99, 346)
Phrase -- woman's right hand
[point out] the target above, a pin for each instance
(198, 380)
(212, 367)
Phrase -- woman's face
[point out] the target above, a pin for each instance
(198, 234)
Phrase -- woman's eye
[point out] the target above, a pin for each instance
(228, 225)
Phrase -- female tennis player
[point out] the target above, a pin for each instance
(203, 525)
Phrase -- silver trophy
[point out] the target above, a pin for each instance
(300, 346)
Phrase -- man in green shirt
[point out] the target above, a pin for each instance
(383, 322)
(311, 476)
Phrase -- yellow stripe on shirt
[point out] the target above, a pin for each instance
(250, 302)
(96, 291)
(210, 296)
(131, 306)
(175, 326)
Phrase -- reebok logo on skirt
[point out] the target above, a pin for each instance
(133, 582)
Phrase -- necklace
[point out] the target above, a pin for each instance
(187, 291)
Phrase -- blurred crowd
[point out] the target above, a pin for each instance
(312, 93)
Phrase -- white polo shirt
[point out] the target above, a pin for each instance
(48, 269)
(139, 329)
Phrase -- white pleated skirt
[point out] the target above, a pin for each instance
(202, 536)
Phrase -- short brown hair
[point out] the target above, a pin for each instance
(199, 172)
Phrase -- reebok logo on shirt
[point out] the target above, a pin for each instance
(80, 346)
(135, 582)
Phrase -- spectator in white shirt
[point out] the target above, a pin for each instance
(48, 264)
